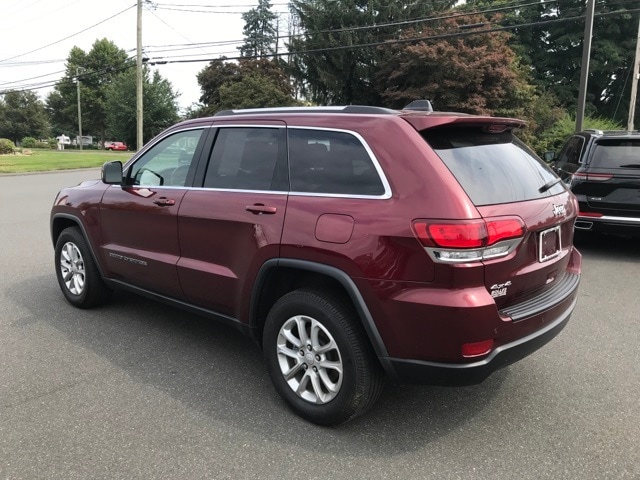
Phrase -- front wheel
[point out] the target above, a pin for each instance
(319, 359)
(77, 273)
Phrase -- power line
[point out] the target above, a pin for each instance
(182, 59)
(67, 37)
(407, 40)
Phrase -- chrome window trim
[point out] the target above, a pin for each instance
(383, 178)
(376, 164)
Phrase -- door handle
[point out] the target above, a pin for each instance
(259, 209)
(164, 202)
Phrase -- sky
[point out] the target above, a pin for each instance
(34, 44)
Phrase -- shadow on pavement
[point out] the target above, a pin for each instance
(216, 371)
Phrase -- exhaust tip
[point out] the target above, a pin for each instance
(582, 225)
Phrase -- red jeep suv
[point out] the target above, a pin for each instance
(350, 242)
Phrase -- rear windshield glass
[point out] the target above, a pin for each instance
(616, 153)
(492, 168)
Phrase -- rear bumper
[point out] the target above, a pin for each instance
(608, 224)
(456, 374)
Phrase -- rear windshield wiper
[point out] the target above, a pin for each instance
(549, 184)
(631, 165)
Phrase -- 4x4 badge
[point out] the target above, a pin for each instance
(559, 210)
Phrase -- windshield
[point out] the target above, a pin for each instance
(493, 168)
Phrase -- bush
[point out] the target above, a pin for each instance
(52, 143)
(553, 138)
(29, 142)
(6, 146)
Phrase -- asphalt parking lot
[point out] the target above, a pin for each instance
(138, 390)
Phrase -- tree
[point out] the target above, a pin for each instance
(23, 114)
(217, 78)
(95, 70)
(160, 106)
(554, 52)
(474, 74)
(260, 34)
(253, 91)
(325, 60)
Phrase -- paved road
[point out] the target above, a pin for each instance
(140, 390)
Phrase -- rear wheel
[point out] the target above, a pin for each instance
(319, 359)
(77, 273)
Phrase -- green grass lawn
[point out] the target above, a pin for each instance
(45, 160)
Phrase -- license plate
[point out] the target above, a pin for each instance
(549, 244)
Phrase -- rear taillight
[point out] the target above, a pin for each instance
(595, 177)
(469, 240)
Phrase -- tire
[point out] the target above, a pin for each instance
(77, 273)
(332, 372)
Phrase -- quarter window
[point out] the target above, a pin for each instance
(244, 158)
(323, 161)
(168, 162)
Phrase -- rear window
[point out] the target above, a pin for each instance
(492, 168)
(616, 153)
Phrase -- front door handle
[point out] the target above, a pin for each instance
(260, 209)
(165, 202)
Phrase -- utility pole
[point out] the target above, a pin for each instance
(139, 79)
(634, 83)
(79, 108)
(586, 53)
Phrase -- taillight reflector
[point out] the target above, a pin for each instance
(477, 349)
(590, 214)
(596, 177)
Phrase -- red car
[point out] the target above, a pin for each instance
(116, 146)
(352, 243)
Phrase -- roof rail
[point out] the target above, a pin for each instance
(362, 109)
(593, 130)
(620, 132)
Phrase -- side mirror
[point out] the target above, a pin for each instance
(112, 173)
(549, 156)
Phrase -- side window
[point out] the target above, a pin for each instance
(244, 158)
(168, 162)
(322, 161)
(570, 153)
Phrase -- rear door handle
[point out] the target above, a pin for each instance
(165, 202)
(259, 209)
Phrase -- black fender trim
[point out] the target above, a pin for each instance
(80, 224)
(345, 280)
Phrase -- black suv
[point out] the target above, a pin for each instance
(603, 170)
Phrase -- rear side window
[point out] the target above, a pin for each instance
(616, 153)
(325, 161)
(492, 168)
